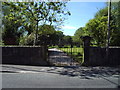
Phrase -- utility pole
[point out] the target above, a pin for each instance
(35, 35)
(108, 31)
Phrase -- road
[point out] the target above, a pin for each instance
(17, 76)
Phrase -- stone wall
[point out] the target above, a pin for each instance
(97, 56)
(24, 55)
(100, 56)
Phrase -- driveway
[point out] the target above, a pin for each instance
(60, 58)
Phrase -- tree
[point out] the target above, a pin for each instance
(114, 23)
(102, 12)
(67, 40)
(45, 34)
(34, 14)
(115, 41)
(58, 37)
(97, 27)
(78, 34)
(11, 25)
(45, 12)
(98, 30)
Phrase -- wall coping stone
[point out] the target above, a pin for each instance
(21, 46)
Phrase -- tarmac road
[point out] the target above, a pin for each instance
(17, 76)
(48, 80)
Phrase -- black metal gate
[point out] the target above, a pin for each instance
(65, 56)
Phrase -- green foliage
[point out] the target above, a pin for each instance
(115, 41)
(102, 12)
(45, 34)
(31, 16)
(67, 40)
(75, 52)
(98, 26)
(98, 29)
(11, 23)
(46, 30)
(58, 37)
(77, 36)
(1, 43)
(27, 40)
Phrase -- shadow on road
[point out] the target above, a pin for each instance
(83, 72)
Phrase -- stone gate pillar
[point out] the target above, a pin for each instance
(86, 45)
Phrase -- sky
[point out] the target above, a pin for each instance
(81, 13)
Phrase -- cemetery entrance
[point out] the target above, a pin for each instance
(65, 56)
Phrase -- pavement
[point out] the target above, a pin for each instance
(22, 76)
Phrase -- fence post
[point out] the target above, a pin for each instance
(86, 45)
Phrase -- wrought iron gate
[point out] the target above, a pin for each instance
(64, 56)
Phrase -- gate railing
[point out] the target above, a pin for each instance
(67, 56)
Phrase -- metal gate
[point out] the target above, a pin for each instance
(65, 56)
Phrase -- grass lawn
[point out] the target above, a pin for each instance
(75, 52)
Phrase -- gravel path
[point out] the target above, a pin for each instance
(59, 58)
